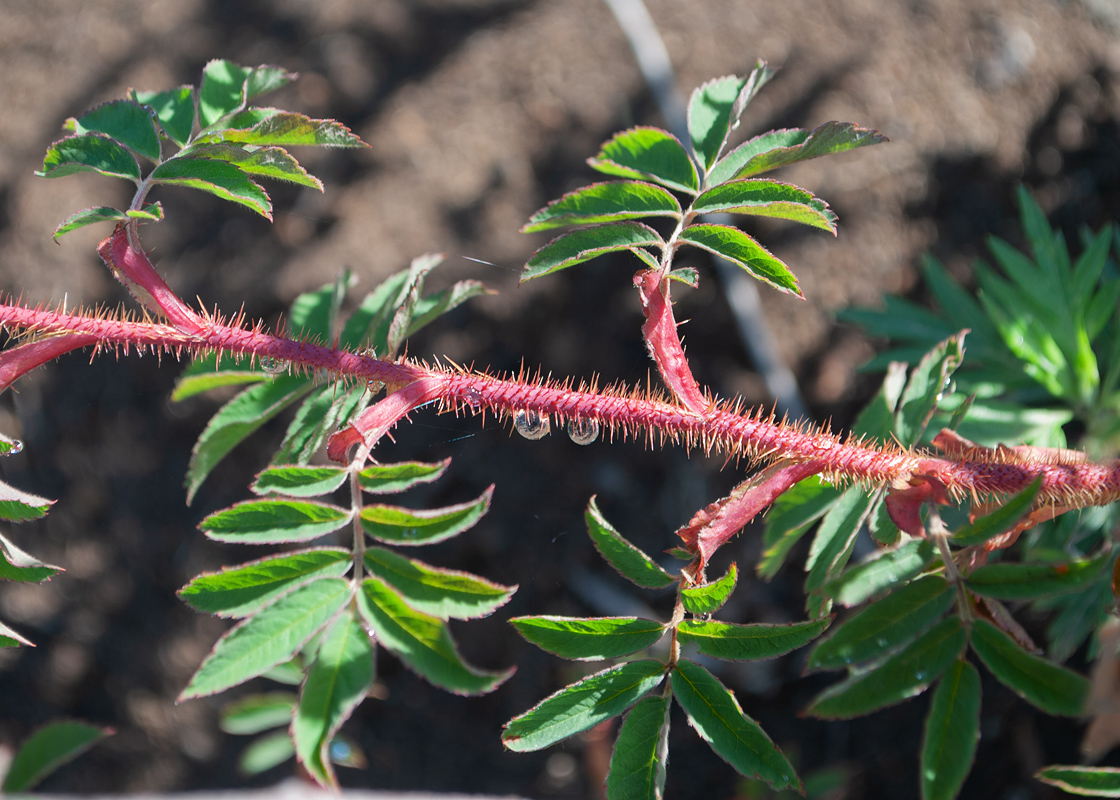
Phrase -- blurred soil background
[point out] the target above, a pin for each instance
(478, 112)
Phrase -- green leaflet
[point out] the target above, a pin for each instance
(90, 153)
(584, 244)
(864, 581)
(999, 521)
(890, 623)
(902, 675)
(88, 216)
(404, 526)
(709, 117)
(730, 164)
(832, 545)
(1088, 781)
(582, 705)
(337, 681)
(267, 162)
(924, 390)
(422, 641)
(258, 712)
(788, 147)
(46, 750)
(648, 154)
(216, 177)
(246, 589)
(952, 732)
(605, 202)
(270, 637)
(442, 593)
(174, 110)
(727, 640)
(630, 562)
(222, 90)
(709, 598)
(204, 374)
(589, 638)
(122, 120)
(287, 129)
(326, 409)
(637, 769)
(16, 565)
(1052, 688)
(394, 478)
(789, 518)
(274, 521)
(265, 753)
(736, 738)
(298, 481)
(237, 419)
(1007, 581)
(20, 506)
(9, 638)
(436, 305)
(767, 198)
(744, 252)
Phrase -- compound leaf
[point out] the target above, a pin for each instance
(442, 593)
(736, 738)
(648, 154)
(885, 625)
(637, 768)
(906, 673)
(582, 705)
(1042, 683)
(422, 641)
(216, 177)
(589, 638)
(605, 202)
(630, 562)
(337, 681)
(709, 598)
(270, 637)
(394, 478)
(952, 732)
(727, 640)
(404, 526)
(585, 244)
(246, 589)
(274, 521)
(744, 252)
(47, 749)
(124, 121)
(93, 152)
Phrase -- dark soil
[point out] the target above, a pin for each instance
(478, 112)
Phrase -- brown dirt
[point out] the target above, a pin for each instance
(478, 112)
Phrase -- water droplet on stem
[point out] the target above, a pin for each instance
(14, 448)
(583, 430)
(273, 366)
(531, 424)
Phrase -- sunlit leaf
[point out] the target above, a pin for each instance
(952, 732)
(648, 154)
(246, 589)
(744, 252)
(1087, 781)
(274, 521)
(404, 526)
(174, 110)
(216, 177)
(88, 216)
(287, 129)
(422, 641)
(337, 681)
(605, 202)
(715, 714)
(90, 153)
(296, 481)
(628, 560)
(394, 478)
(589, 638)
(788, 147)
(21, 567)
(637, 768)
(270, 637)
(222, 90)
(20, 506)
(124, 121)
(582, 705)
(443, 593)
(267, 162)
(928, 382)
(709, 598)
(749, 642)
(585, 244)
(709, 117)
(766, 198)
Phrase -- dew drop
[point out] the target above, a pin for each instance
(472, 397)
(531, 424)
(273, 366)
(409, 533)
(14, 448)
(881, 642)
(340, 750)
(583, 430)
